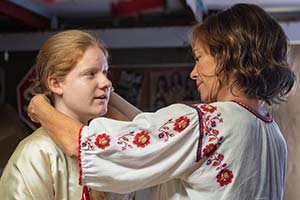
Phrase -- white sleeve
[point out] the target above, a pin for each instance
(155, 147)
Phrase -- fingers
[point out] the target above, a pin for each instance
(32, 118)
(32, 108)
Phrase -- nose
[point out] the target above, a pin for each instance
(193, 74)
(104, 82)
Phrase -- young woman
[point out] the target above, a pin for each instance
(228, 147)
(72, 71)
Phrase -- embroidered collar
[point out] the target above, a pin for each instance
(267, 117)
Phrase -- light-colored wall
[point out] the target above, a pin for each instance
(287, 115)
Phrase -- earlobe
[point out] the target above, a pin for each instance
(55, 85)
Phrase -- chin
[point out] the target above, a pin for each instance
(103, 112)
(97, 114)
(99, 110)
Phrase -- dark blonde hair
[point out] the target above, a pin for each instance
(251, 45)
(59, 55)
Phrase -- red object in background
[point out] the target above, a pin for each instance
(24, 15)
(135, 7)
(48, 1)
(24, 94)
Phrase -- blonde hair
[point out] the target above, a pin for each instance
(59, 55)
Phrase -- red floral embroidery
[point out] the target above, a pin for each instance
(124, 141)
(102, 141)
(181, 123)
(216, 160)
(224, 177)
(208, 108)
(209, 149)
(166, 130)
(88, 144)
(211, 119)
(141, 139)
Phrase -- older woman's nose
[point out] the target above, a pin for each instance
(193, 74)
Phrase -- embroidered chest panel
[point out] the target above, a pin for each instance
(211, 139)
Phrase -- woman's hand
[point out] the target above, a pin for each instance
(61, 128)
(36, 102)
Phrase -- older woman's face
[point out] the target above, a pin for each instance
(204, 73)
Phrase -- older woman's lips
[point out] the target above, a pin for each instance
(198, 84)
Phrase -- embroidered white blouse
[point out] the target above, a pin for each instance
(212, 151)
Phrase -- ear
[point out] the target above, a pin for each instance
(55, 85)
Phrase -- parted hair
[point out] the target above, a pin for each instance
(59, 55)
(249, 44)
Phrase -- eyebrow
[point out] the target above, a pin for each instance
(196, 51)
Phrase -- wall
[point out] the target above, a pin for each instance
(287, 116)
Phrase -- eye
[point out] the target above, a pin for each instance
(105, 72)
(197, 57)
(90, 74)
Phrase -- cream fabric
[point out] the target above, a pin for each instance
(217, 151)
(39, 170)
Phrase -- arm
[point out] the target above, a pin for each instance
(113, 113)
(123, 106)
(127, 156)
(158, 147)
(61, 128)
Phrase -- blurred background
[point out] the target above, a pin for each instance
(150, 57)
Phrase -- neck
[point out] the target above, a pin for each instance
(253, 103)
(61, 108)
(228, 96)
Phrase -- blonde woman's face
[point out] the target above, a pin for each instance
(86, 88)
(204, 74)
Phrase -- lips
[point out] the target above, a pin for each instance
(199, 83)
(102, 97)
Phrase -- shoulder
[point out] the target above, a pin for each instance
(173, 112)
(38, 139)
(164, 114)
(230, 110)
(228, 118)
(180, 107)
(223, 107)
(34, 146)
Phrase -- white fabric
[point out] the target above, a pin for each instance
(182, 152)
